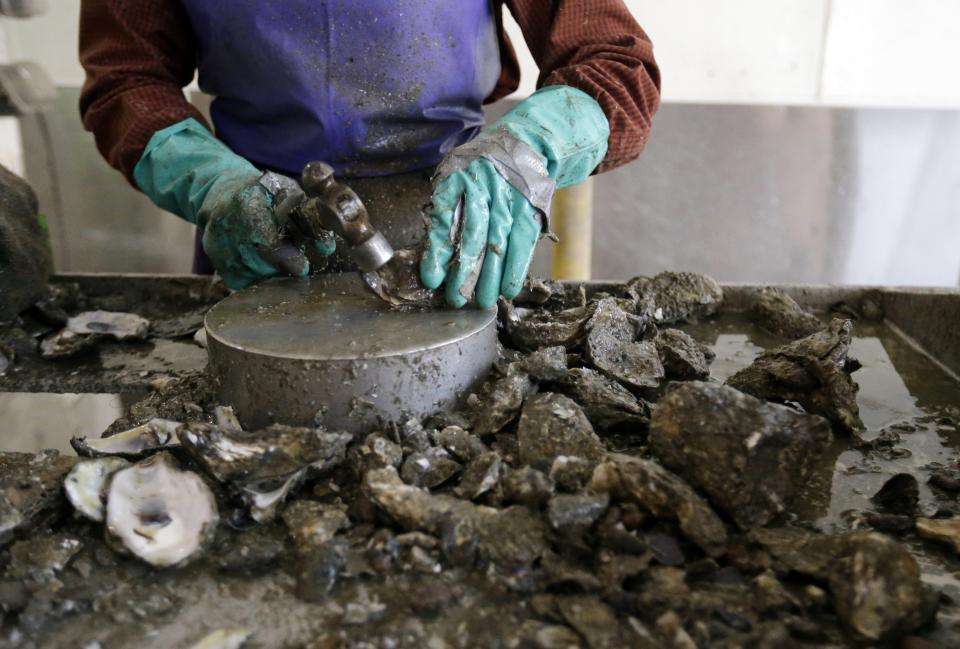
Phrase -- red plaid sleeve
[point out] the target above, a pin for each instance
(598, 47)
(138, 56)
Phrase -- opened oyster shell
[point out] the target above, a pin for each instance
(136, 442)
(160, 513)
(398, 282)
(86, 485)
(263, 465)
(122, 326)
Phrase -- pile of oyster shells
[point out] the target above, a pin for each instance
(166, 515)
(599, 472)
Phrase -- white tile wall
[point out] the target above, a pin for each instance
(835, 52)
(49, 39)
(736, 51)
(11, 150)
(893, 53)
(841, 52)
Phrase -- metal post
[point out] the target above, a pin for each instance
(572, 221)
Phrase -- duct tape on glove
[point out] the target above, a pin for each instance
(515, 160)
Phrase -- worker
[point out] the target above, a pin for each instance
(375, 88)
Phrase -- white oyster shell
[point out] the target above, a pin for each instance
(86, 485)
(162, 514)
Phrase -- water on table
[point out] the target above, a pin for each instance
(900, 388)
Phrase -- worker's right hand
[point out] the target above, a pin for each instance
(184, 169)
(241, 234)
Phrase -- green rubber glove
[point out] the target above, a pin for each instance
(186, 170)
(491, 198)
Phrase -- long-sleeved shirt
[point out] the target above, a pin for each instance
(139, 56)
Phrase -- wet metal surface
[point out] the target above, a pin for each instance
(328, 350)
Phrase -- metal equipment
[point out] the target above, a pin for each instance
(324, 206)
(325, 350)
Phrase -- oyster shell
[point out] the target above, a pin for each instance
(550, 293)
(86, 330)
(41, 558)
(86, 485)
(663, 494)
(683, 358)
(139, 441)
(263, 465)
(67, 343)
(813, 371)
(375, 451)
(122, 326)
(234, 455)
(224, 639)
(778, 313)
(553, 425)
(546, 364)
(429, 468)
(575, 513)
(527, 486)
(676, 297)
(161, 514)
(312, 524)
(611, 348)
(227, 419)
(411, 507)
(943, 530)
(701, 430)
(30, 494)
(605, 402)
(398, 282)
(460, 443)
(570, 472)
(10, 519)
(501, 400)
(480, 476)
(531, 329)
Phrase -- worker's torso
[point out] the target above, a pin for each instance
(374, 87)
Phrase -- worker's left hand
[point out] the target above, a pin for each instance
(491, 197)
(500, 229)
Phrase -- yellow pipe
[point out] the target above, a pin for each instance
(572, 221)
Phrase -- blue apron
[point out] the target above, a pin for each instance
(373, 87)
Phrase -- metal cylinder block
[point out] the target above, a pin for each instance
(326, 351)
